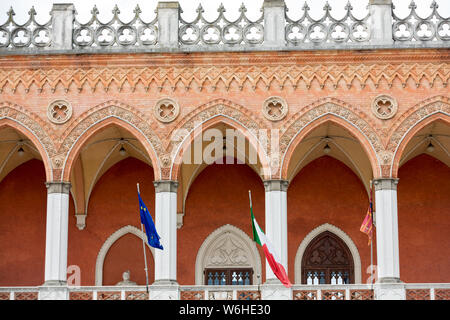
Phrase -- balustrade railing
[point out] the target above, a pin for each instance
(273, 30)
(412, 291)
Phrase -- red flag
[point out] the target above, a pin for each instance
(367, 225)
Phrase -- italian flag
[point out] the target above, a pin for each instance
(272, 258)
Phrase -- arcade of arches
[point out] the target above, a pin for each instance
(68, 192)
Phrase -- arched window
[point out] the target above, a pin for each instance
(327, 260)
(228, 257)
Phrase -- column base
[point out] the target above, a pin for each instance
(54, 283)
(389, 280)
(53, 290)
(390, 291)
(165, 290)
(273, 289)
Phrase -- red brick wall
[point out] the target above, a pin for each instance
(424, 220)
(218, 196)
(327, 191)
(23, 203)
(114, 204)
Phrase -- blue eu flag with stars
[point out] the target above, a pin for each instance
(147, 221)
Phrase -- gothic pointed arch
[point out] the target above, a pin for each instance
(349, 255)
(33, 128)
(228, 247)
(108, 113)
(207, 116)
(339, 113)
(424, 114)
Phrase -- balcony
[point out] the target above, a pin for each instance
(411, 291)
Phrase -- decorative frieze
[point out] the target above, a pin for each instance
(218, 77)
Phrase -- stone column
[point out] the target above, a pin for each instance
(168, 21)
(274, 23)
(63, 15)
(389, 286)
(380, 22)
(166, 226)
(56, 240)
(276, 232)
(387, 230)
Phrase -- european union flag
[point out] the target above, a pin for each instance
(147, 221)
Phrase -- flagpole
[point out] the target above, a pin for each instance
(371, 240)
(143, 248)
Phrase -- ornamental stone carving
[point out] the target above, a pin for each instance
(59, 111)
(384, 107)
(275, 108)
(166, 110)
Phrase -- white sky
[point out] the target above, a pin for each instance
(83, 7)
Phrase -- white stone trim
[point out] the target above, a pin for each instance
(107, 245)
(213, 238)
(338, 232)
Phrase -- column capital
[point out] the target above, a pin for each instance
(385, 184)
(58, 187)
(168, 5)
(165, 186)
(382, 2)
(273, 3)
(276, 185)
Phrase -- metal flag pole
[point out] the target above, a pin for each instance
(143, 248)
(371, 238)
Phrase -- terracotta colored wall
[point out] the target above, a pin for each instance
(424, 220)
(23, 202)
(113, 205)
(218, 196)
(126, 254)
(327, 191)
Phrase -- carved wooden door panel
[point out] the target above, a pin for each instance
(327, 260)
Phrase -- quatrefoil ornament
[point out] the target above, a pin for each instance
(166, 110)
(384, 107)
(59, 111)
(275, 108)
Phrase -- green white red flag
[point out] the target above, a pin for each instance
(272, 258)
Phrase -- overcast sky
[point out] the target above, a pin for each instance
(83, 7)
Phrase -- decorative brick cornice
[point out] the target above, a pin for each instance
(222, 72)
